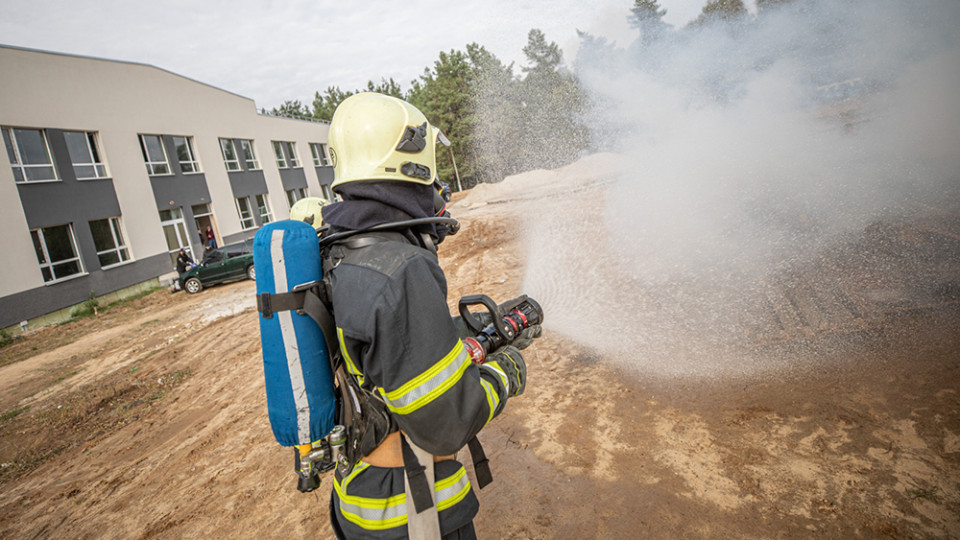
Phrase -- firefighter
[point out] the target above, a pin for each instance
(309, 210)
(396, 334)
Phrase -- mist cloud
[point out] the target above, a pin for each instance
(753, 147)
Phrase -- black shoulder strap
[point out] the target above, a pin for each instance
(307, 299)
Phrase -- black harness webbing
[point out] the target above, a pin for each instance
(304, 299)
(481, 465)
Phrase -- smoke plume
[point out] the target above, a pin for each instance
(752, 148)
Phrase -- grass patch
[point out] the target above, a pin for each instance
(13, 413)
(88, 308)
(134, 297)
(5, 338)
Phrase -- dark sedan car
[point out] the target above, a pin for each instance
(233, 261)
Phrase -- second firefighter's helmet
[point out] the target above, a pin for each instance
(379, 137)
(308, 209)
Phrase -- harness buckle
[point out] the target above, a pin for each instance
(303, 287)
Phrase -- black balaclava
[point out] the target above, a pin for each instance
(375, 202)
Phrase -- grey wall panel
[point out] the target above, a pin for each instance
(293, 178)
(178, 189)
(78, 202)
(173, 191)
(42, 300)
(70, 200)
(239, 237)
(325, 175)
(247, 183)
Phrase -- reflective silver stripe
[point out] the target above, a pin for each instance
(380, 514)
(430, 384)
(452, 489)
(290, 340)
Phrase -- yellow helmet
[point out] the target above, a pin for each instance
(308, 209)
(378, 137)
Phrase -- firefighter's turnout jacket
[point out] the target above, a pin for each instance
(396, 334)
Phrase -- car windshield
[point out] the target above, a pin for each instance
(213, 255)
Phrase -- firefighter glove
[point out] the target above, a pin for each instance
(526, 337)
(464, 331)
(507, 363)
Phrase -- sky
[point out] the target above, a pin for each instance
(272, 51)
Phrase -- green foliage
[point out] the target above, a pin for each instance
(647, 17)
(292, 109)
(13, 413)
(387, 87)
(323, 106)
(444, 94)
(553, 103)
(5, 338)
(87, 308)
(721, 10)
(544, 57)
(498, 123)
(767, 4)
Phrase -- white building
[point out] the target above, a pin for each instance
(111, 167)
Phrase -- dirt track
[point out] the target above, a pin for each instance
(153, 422)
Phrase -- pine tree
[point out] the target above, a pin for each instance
(324, 106)
(647, 17)
(721, 10)
(291, 109)
(443, 94)
(552, 103)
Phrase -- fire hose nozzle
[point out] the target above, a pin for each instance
(508, 320)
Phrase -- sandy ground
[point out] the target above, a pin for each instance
(150, 421)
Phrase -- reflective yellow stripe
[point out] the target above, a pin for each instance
(430, 384)
(379, 514)
(351, 367)
(452, 490)
(493, 398)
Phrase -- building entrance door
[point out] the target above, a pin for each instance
(203, 217)
(175, 231)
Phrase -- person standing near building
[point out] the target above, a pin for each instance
(211, 238)
(396, 334)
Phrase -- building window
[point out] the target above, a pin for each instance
(292, 154)
(154, 155)
(30, 155)
(263, 206)
(249, 156)
(319, 152)
(82, 146)
(246, 215)
(186, 155)
(229, 155)
(294, 195)
(56, 252)
(108, 239)
(328, 193)
(278, 151)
